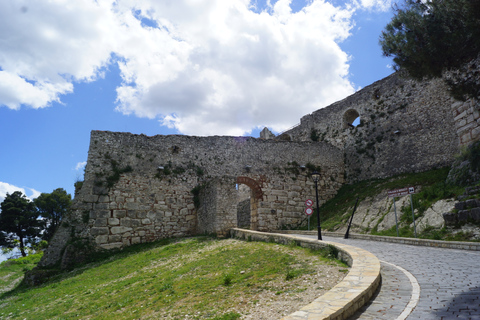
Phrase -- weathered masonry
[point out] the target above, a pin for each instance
(139, 188)
(406, 126)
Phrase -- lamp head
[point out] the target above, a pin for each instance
(315, 176)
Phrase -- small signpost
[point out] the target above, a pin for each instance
(309, 210)
(400, 193)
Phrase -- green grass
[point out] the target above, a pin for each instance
(12, 271)
(199, 277)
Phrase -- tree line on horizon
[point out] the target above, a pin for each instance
(27, 224)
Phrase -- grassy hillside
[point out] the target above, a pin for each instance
(195, 278)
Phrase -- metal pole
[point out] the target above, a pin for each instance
(351, 219)
(395, 208)
(413, 216)
(318, 213)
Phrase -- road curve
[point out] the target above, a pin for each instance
(448, 280)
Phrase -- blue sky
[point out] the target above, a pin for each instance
(211, 67)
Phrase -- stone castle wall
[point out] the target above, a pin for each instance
(139, 188)
(406, 126)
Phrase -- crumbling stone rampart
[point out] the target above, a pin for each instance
(139, 188)
(406, 126)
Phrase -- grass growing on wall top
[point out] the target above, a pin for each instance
(199, 277)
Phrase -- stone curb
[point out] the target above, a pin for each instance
(346, 297)
(473, 246)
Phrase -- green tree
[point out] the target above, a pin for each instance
(19, 222)
(53, 207)
(426, 37)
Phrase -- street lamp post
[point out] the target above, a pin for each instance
(315, 178)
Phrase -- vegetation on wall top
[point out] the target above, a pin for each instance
(428, 37)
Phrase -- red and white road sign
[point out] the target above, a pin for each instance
(309, 203)
(308, 211)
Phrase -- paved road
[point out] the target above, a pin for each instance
(449, 281)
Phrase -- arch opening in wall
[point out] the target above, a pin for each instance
(244, 211)
(249, 194)
(351, 118)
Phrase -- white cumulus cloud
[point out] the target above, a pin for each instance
(202, 67)
(80, 165)
(9, 188)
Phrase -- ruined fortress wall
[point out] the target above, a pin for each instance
(406, 126)
(127, 198)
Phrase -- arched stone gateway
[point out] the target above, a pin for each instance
(139, 188)
(255, 198)
(254, 185)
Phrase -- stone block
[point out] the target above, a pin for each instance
(119, 213)
(160, 207)
(460, 205)
(91, 198)
(475, 214)
(293, 194)
(101, 206)
(121, 229)
(460, 116)
(463, 215)
(101, 239)
(135, 223)
(141, 214)
(450, 218)
(466, 138)
(131, 206)
(278, 193)
(104, 199)
(471, 203)
(115, 238)
(136, 240)
(113, 221)
(109, 246)
(98, 231)
(476, 133)
(100, 222)
(146, 221)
